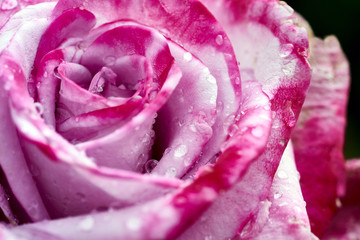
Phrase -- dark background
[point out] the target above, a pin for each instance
(340, 18)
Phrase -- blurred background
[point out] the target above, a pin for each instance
(340, 18)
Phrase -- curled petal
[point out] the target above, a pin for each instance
(283, 215)
(319, 135)
(345, 225)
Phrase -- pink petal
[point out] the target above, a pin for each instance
(283, 215)
(12, 160)
(345, 225)
(352, 195)
(285, 76)
(184, 124)
(71, 23)
(85, 186)
(198, 37)
(166, 217)
(319, 135)
(220, 221)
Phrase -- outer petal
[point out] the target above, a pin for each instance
(319, 135)
(167, 217)
(250, 136)
(283, 214)
(184, 124)
(282, 67)
(12, 160)
(346, 223)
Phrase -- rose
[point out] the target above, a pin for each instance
(85, 84)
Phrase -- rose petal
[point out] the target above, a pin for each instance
(12, 160)
(345, 225)
(74, 168)
(198, 37)
(254, 126)
(283, 215)
(183, 125)
(319, 135)
(352, 195)
(71, 23)
(113, 149)
(32, 21)
(285, 75)
(168, 216)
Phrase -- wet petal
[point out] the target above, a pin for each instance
(12, 160)
(285, 78)
(283, 215)
(319, 135)
(184, 124)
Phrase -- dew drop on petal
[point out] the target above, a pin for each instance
(281, 174)
(171, 172)
(187, 57)
(87, 223)
(219, 40)
(109, 60)
(257, 131)
(180, 151)
(133, 223)
(286, 49)
(150, 165)
(39, 108)
(9, 4)
(277, 195)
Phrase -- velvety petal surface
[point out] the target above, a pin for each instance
(345, 225)
(190, 25)
(319, 135)
(266, 26)
(250, 134)
(184, 124)
(69, 182)
(167, 217)
(283, 214)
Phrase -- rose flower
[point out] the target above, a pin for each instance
(167, 119)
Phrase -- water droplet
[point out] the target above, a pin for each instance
(45, 74)
(9, 4)
(82, 8)
(152, 95)
(171, 172)
(187, 161)
(219, 39)
(77, 119)
(133, 223)
(277, 195)
(285, 50)
(338, 203)
(181, 122)
(109, 60)
(237, 80)
(87, 223)
(187, 57)
(219, 106)
(80, 196)
(100, 89)
(167, 150)
(150, 165)
(233, 129)
(180, 151)
(38, 85)
(281, 174)
(257, 131)
(7, 86)
(39, 108)
(290, 119)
